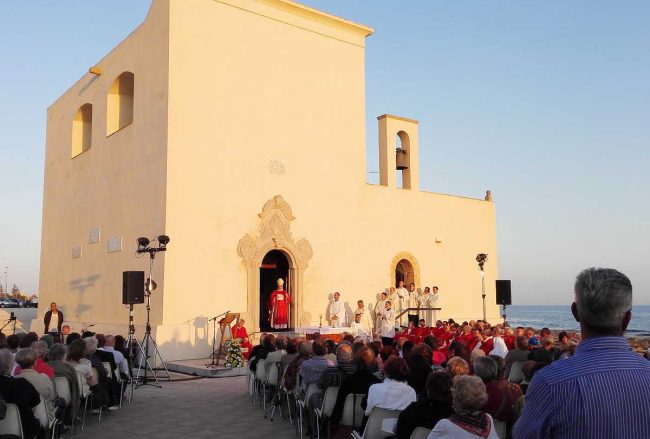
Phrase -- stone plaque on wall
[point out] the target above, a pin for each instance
(93, 235)
(114, 244)
(76, 252)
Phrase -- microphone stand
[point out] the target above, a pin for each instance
(214, 340)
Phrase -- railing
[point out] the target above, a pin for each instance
(415, 309)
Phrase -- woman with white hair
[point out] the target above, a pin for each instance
(469, 421)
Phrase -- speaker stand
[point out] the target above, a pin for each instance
(504, 313)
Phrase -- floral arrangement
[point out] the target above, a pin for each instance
(234, 357)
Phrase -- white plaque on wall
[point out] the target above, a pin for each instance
(93, 235)
(76, 252)
(115, 244)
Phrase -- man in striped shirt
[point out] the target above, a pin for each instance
(602, 391)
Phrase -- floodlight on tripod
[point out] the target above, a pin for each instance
(144, 246)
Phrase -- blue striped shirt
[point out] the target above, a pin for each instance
(603, 391)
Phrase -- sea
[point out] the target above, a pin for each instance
(559, 317)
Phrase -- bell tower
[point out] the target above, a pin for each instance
(398, 151)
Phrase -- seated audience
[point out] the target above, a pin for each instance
(393, 393)
(291, 374)
(26, 358)
(428, 411)
(19, 391)
(545, 353)
(63, 369)
(469, 421)
(40, 348)
(419, 368)
(109, 346)
(334, 375)
(290, 355)
(358, 382)
(457, 366)
(502, 394)
(313, 368)
(520, 353)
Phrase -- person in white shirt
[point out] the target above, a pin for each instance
(500, 347)
(366, 320)
(358, 328)
(387, 324)
(379, 309)
(109, 346)
(394, 393)
(337, 312)
(403, 300)
(423, 302)
(413, 316)
(434, 301)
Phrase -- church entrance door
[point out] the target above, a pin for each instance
(404, 272)
(275, 265)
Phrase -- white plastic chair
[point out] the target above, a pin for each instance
(63, 389)
(40, 413)
(11, 424)
(373, 426)
(302, 405)
(352, 411)
(325, 410)
(260, 377)
(516, 375)
(501, 428)
(420, 433)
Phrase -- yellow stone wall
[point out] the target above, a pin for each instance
(237, 101)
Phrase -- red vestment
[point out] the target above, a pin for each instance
(510, 341)
(487, 345)
(278, 308)
(241, 334)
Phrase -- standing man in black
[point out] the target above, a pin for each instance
(53, 319)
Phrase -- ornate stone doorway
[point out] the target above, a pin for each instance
(275, 265)
(274, 234)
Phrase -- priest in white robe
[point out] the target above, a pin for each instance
(425, 300)
(402, 301)
(358, 328)
(337, 312)
(366, 320)
(379, 309)
(387, 324)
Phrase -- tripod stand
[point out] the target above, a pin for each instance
(149, 340)
(12, 318)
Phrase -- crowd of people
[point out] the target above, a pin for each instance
(29, 366)
(477, 380)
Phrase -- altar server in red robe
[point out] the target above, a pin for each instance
(239, 333)
(278, 307)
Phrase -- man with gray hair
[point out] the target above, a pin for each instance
(601, 391)
(333, 375)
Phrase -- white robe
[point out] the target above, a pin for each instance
(387, 323)
(337, 309)
(403, 302)
(500, 347)
(379, 308)
(366, 320)
(428, 301)
(359, 330)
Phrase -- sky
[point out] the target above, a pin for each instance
(547, 104)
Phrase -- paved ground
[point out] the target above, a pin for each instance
(200, 408)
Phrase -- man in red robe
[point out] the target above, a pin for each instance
(278, 307)
(238, 332)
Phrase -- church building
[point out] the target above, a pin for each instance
(238, 129)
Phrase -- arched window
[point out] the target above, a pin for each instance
(82, 128)
(119, 107)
